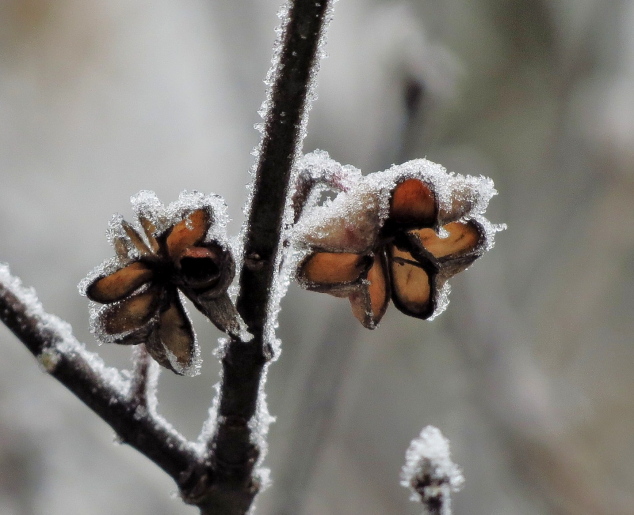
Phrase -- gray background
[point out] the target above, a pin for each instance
(529, 372)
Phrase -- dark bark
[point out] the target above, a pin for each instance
(281, 143)
(138, 428)
(233, 452)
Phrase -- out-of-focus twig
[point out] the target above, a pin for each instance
(313, 415)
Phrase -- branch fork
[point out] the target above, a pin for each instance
(218, 476)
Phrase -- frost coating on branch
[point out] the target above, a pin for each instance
(284, 111)
(274, 70)
(429, 472)
(60, 339)
(284, 264)
(211, 423)
(259, 426)
(104, 389)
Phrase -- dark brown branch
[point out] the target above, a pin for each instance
(233, 452)
(66, 360)
(281, 144)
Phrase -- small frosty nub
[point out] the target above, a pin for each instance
(430, 473)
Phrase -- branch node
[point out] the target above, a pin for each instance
(254, 262)
(48, 359)
(194, 483)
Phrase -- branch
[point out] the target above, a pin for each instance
(279, 148)
(103, 390)
(429, 472)
(233, 452)
(221, 481)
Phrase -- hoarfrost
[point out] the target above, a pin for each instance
(63, 342)
(153, 219)
(321, 173)
(282, 265)
(221, 350)
(348, 223)
(210, 425)
(49, 359)
(442, 301)
(259, 426)
(236, 246)
(429, 471)
(108, 267)
(458, 195)
(145, 203)
(151, 387)
(144, 384)
(193, 369)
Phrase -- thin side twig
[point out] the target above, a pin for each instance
(140, 381)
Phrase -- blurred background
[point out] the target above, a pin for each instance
(528, 372)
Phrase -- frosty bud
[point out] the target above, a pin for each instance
(430, 473)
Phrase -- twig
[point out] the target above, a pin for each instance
(221, 481)
(279, 148)
(233, 453)
(140, 382)
(429, 472)
(83, 373)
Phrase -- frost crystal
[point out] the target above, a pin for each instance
(48, 360)
(259, 426)
(430, 473)
(210, 425)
